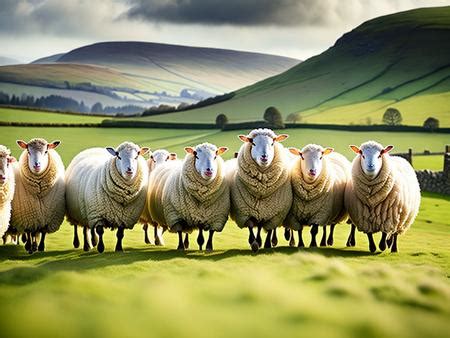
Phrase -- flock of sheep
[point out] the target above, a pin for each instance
(265, 187)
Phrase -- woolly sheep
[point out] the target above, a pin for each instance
(156, 158)
(38, 205)
(261, 193)
(106, 188)
(7, 186)
(196, 195)
(383, 195)
(318, 177)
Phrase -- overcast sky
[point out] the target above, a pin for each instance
(30, 29)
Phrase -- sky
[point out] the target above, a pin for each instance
(30, 29)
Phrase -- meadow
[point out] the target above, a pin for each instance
(154, 291)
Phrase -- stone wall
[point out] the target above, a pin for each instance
(436, 181)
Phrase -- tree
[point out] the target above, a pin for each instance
(392, 117)
(294, 117)
(97, 108)
(221, 120)
(273, 116)
(431, 124)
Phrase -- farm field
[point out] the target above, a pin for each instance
(76, 139)
(146, 290)
(33, 116)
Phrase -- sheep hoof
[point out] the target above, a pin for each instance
(255, 246)
(353, 242)
(24, 238)
(86, 247)
(382, 245)
(30, 252)
(372, 248)
(27, 246)
(119, 249)
(323, 243)
(287, 234)
(292, 242)
(76, 243)
(34, 247)
(313, 244)
(100, 247)
(41, 247)
(181, 247)
(274, 241)
(330, 241)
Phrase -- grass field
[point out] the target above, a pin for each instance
(76, 139)
(32, 116)
(149, 291)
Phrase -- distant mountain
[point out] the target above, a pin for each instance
(400, 60)
(144, 73)
(8, 61)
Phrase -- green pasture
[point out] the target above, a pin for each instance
(33, 116)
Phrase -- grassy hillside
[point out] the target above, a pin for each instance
(400, 60)
(231, 292)
(32, 116)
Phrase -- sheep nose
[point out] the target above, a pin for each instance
(208, 169)
(371, 165)
(129, 169)
(2, 177)
(37, 164)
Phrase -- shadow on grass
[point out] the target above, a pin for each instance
(46, 263)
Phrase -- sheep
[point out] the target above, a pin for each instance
(261, 193)
(196, 195)
(106, 188)
(318, 176)
(156, 158)
(38, 205)
(7, 185)
(383, 195)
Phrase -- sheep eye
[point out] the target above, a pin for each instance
(320, 157)
(136, 157)
(363, 156)
(119, 157)
(46, 152)
(215, 157)
(196, 157)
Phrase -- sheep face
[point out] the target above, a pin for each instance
(311, 160)
(127, 155)
(5, 162)
(161, 156)
(38, 153)
(206, 159)
(263, 150)
(371, 157)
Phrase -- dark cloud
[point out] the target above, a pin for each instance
(232, 12)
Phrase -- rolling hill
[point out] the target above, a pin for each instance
(144, 73)
(400, 60)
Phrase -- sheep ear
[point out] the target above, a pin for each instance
(295, 151)
(221, 150)
(355, 149)
(144, 150)
(22, 144)
(11, 159)
(327, 151)
(189, 150)
(387, 149)
(173, 156)
(244, 138)
(54, 144)
(112, 151)
(281, 137)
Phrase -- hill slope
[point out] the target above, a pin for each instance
(400, 60)
(149, 73)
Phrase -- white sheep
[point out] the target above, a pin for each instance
(196, 195)
(383, 195)
(157, 158)
(106, 188)
(7, 185)
(38, 205)
(261, 193)
(318, 176)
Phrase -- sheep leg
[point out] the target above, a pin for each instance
(267, 243)
(146, 239)
(76, 240)
(158, 236)
(351, 236)
(186, 241)
(382, 244)
(24, 238)
(28, 243)
(394, 243)
(94, 238)
(323, 241)
(119, 235)
(41, 246)
(85, 239)
(274, 238)
(301, 244)
(330, 237)
(200, 239)
(292, 240)
(4, 239)
(100, 245)
(180, 241)
(389, 241)
(258, 236)
(314, 231)
(372, 246)
(251, 236)
(34, 243)
(287, 234)
(209, 244)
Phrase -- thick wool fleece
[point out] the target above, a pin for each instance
(389, 202)
(262, 194)
(98, 195)
(6, 195)
(39, 202)
(322, 201)
(192, 202)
